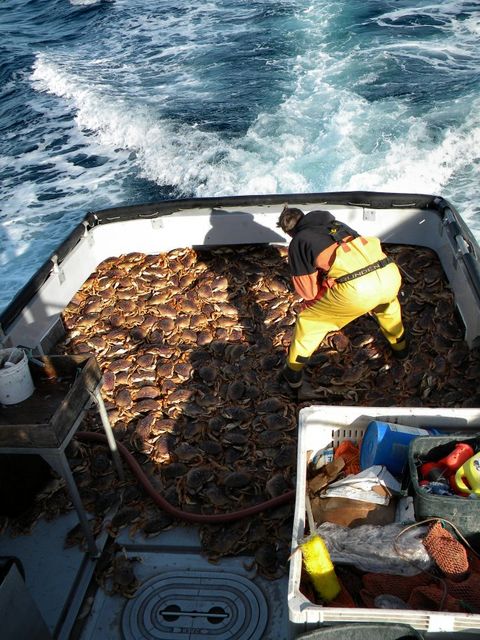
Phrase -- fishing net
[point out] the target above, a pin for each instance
(344, 599)
(432, 597)
(424, 591)
(473, 561)
(467, 592)
(375, 584)
(456, 589)
(448, 553)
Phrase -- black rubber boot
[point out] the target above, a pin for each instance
(400, 354)
(293, 378)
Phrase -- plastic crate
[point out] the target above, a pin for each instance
(464, 513)
(322, 426)
(371, 631)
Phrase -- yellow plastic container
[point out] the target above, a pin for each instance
(467, 477)
(320, 568)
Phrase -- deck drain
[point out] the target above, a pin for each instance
(192, 604)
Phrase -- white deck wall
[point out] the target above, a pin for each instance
(221, 226)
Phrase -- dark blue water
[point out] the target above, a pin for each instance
(106, 103)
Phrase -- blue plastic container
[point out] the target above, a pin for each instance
(387, 444)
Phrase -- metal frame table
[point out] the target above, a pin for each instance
(49, 438)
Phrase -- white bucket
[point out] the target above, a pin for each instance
(16, 382)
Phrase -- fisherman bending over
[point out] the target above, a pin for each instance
(340, 276)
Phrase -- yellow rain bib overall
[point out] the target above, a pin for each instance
(376, 292)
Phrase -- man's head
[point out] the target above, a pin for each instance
(289, 218)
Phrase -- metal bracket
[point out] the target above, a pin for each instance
(460, 245)
(448, 217)
(88, 234)
(463, 247)
(57, 270)
(369, 215)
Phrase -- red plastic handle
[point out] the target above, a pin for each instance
(457, 457)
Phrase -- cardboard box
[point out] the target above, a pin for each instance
(352, 513)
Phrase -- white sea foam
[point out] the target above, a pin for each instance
(434, 9)
(170, 154)
(158, 103)
(314, 140)
(88, 2)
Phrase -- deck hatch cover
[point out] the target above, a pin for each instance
(180, 605)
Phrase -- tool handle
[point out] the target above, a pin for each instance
(460, 482)
(308, 507)
(457, 457)
(467, 477)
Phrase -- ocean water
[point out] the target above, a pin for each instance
(115, 102)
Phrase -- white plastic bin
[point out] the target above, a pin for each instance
(319, 427)
(16, 383)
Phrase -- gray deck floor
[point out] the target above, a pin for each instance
(244, 605)
(54, 576)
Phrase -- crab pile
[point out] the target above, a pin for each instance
(191, 344)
